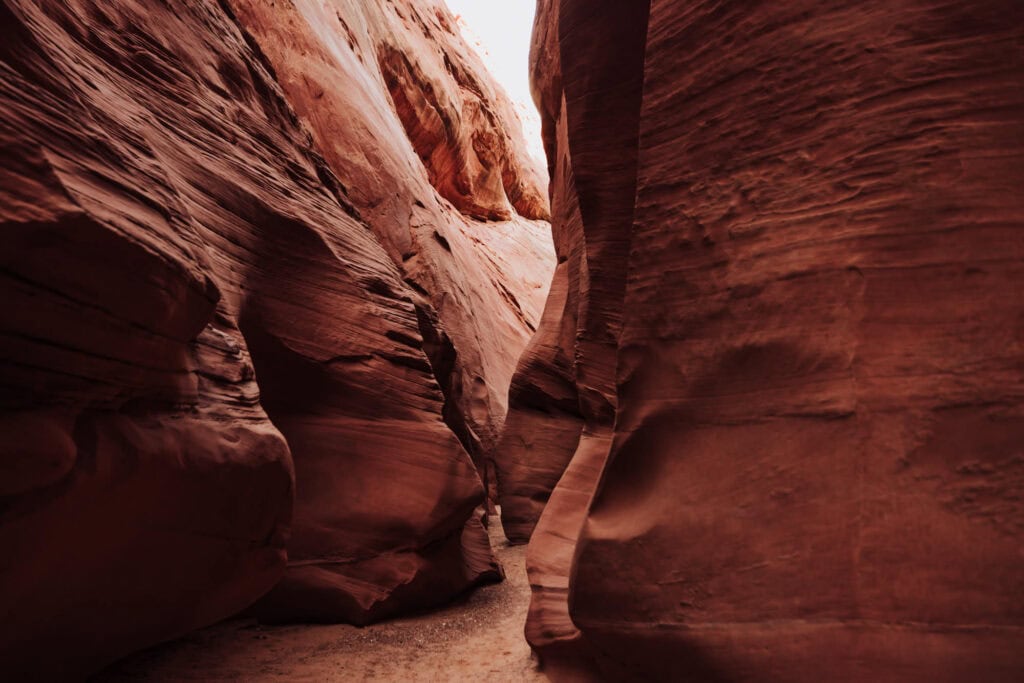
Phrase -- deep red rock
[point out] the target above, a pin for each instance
(178, 264)
(814, 469)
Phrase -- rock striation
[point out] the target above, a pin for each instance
(409, 122)
(369, 81)
(778, 382)
(230, 338)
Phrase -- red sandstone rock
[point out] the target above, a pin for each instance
(594, 183)
(369, 79)
(814, 472)
(172, 239)
(477, 287)
(544, 419)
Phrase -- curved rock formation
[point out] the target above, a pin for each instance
(544, 419)
(596, 179)
(814, 471)
(477, 287)
(407, 119)
(178, 258)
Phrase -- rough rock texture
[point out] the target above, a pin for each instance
(815, 469)
(406, 117)
(364, 77)
(178, 263)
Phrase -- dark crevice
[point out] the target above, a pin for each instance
(443, 356)
(440, 239)
(401, 338)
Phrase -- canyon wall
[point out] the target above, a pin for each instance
(427, 148)
(781, 360)
(250, 317)
(407, 118)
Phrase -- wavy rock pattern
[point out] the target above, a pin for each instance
(193, 297)
(364, 76)
(814, 471)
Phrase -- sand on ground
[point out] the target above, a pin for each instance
(480, 638)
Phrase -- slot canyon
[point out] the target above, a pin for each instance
(310, 369)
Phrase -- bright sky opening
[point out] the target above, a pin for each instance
(499, 31)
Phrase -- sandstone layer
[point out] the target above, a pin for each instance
(811, 299)
(205, 318)
(406, 118)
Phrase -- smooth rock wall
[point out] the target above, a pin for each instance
(814, 472)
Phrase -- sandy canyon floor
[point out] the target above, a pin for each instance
(479, 638)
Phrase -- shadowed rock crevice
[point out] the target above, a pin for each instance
(443, 358)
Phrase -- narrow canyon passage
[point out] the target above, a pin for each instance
(477, 638)
(736, 344)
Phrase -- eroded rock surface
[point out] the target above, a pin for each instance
(407, 118)
(202, 284)
(815, 470)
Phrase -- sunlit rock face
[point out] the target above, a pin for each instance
(369, 81)
(249, 316)
(425, 144)
(790, 238)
